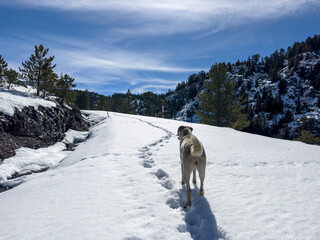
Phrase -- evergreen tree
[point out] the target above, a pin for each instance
(255, 59)
(49, 84)
(239, 119)
(298, 105)
(3, 68)
(63, 88)
(315, 76)
(12, 77)
(82, 99)
(127, 103)
(307, 137)
(282, 86)
(102, 102)
(211, 100)
(152, 103)
(202, 77)
(192, 79)
(219, 104)
(38, 70)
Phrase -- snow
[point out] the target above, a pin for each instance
(27, 160)
(187, 112)
(123, 182)
(11, 99)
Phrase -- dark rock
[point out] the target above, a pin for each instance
(37, 128)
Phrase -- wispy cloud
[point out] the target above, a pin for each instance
(160, 17)
(156, 88)
(96, 65)
(118, 61)
(141, 44)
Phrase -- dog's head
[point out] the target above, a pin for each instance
(183, 131)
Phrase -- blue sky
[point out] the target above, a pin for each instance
(144, 45)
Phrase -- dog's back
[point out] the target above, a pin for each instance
(191, 150)
(193, 157)
(190, 146)
(196, 149)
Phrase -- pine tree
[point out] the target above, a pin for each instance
(307, 137)
(12, 77)
(82, 99)
(219, 104)
(38, 70)
(3, 68)
(102, 102)
(49, 84)
(211, 99)
(63, 88)
(202, 76)
(127, 103)
(239, 119)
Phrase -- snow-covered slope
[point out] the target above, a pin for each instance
(279, 102)
(19, 98)
(123, 182)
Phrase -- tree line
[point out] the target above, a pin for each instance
(222, 98)
(38, 72)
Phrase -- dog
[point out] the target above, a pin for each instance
(193, 157)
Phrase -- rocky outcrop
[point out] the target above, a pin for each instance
(35, 128)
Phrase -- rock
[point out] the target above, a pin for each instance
(37, 128)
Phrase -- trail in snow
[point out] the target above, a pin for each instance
(200, 222)
(123, 183)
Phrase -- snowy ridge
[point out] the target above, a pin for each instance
(13, 99)
(123, 183)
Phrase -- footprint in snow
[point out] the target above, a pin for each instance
(132, 238)
(164, 179)
(145, 155)
(148, 163)
(144, 149)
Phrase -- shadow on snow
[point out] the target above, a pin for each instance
(200, 221)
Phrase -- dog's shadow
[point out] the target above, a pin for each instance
(200, 221)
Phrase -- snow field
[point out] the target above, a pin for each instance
(100, 191)
(256, 187)
(123, 182)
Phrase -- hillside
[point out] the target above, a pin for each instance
(280, 94)
(30, 121)
(123, 182)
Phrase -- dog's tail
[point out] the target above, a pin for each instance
(196, 148)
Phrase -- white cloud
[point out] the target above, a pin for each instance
(156, 88)
(116, 52)
(116, 61)
(94, 65)
(160, 17)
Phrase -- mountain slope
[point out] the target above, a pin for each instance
(123, 183)
(280, 94)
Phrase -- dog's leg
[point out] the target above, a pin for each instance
(202, 173)
(194, 177)
(187, 174)
(188, 203)
(182, 180)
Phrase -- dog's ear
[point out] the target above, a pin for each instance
(180, 129)
(191, 129)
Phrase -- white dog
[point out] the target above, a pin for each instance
(193, 157)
